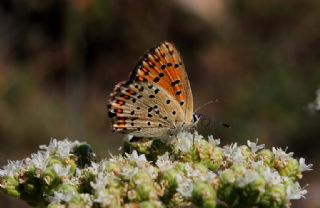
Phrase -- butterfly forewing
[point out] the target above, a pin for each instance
(156, 99)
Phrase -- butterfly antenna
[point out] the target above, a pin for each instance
(205, 104)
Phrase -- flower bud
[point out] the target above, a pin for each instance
(274, 196)
(290, 169)
(227, 192)
(267, 156)
(169, 182)
(10, 186)
(143, 186)
(245, 152)
(252, 192)
(216, 156)
(203, 194)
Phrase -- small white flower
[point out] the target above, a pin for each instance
(229, 149)
(191, 173)
(140, 160)
(211, 176)
(281, 154)
(151, 171)
(254, 147)
(39, 160)
(271, 177)
(103, 198)
(185, 188)
(12, 168)
(237, 156)
(163, 162)
(61, 148)
(257, 164)
(185, 141)
(87, 199)
(61, 171)
(213, 142)
(303, 166)
(249, 176)
(294, 191)
(196, 137)
(61, 197)
(128, 172)
(101, 181)
(64, 148)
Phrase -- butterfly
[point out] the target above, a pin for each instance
(157, 99)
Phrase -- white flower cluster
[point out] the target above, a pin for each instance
(185, 181)
(195, 168)
(99, 187)
(40, 159)
(186, 140)
(12, 168)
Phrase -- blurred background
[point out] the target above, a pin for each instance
(60, 59)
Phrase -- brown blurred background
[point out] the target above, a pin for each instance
(60, 59)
